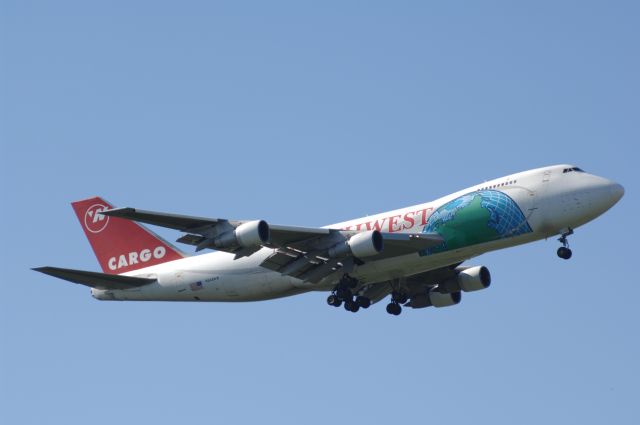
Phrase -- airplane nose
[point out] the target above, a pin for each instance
(603, 194)
(617, 192)
(592, 197)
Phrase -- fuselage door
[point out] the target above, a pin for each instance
(525, 200)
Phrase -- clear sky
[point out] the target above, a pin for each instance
(309, 113)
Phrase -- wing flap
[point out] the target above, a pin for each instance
(289, 235)
(95, 279)
(308, 261)
(396, 244)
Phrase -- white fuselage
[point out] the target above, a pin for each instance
(552, 200)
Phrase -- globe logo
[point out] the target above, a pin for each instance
(474, 218)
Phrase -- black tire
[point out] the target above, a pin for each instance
(334, 301)
(351, 306)
(564, 253)
(394, 309)
(363, 302)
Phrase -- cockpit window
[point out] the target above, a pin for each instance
(576, 169)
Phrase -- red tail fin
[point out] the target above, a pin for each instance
(121, 245)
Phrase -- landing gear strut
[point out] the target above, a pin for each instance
(397, 298)
(564, 252)
(363, 302)
(343, 293)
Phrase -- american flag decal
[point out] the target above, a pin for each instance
(196, 286)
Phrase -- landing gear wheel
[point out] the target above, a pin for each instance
(334, 301)
(564, 253)
(343, 293)
(394, 309)
(351, 306)
(363, 302)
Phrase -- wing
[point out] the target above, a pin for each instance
(412, 285)
(241, 237)
(309, 254)
(95, 279)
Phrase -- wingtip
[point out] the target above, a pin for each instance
(44, 270)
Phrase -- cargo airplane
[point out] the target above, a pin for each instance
(415, 255)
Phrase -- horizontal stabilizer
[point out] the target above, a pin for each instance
(95, 279)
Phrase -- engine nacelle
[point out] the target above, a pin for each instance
(444, 300)
(247, 235)
(468, 280)
(360, 245)
(436, 299)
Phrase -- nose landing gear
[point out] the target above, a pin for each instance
(564, 252)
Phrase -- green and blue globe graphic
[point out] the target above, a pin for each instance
(474, 218)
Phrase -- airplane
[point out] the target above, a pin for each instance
(415, 255)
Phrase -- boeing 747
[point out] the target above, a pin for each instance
(415, 255)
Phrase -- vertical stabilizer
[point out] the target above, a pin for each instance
(121, 245)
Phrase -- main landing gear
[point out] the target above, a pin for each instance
(564, 252)
(397, 298)
(343, 293)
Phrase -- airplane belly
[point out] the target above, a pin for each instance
(253, 286)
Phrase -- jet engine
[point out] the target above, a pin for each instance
(247, 235)
(444, 300)
(468, 280)
(436, 299)
(360, 245)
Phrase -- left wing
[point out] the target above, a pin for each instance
(306, 253)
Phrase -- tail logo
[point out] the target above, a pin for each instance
(93, 220)
(136, 258)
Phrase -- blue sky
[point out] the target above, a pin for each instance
(310, 113)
